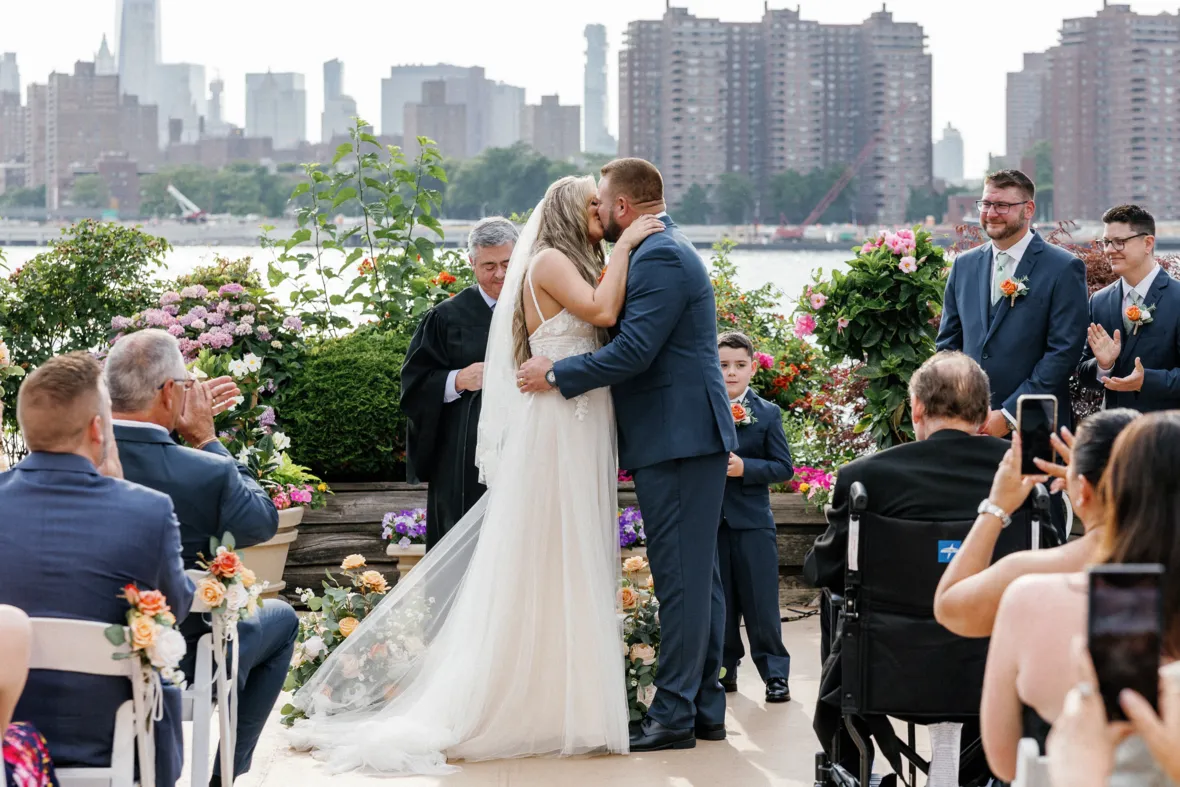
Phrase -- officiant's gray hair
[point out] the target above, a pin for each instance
(492, 231)
(138, 364)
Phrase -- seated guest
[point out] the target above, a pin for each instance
(970, 590)
(213, 494)
(746, 545)
(70, 539)
(1133, 345)
(941, 477)
(1027, 675)
(26, 760)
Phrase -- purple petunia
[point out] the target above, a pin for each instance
(631, 532)
(409, 524)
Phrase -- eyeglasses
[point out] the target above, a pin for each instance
(1001, 208)
(1118, 244)
(188, 382)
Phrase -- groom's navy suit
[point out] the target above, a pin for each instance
(675, 434)
(1156, 345)
(1032, 346)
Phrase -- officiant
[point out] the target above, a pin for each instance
(442, 378)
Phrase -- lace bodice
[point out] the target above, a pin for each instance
(562, 336)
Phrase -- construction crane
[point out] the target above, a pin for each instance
(188, 209)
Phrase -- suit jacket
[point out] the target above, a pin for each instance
(70, 539)
(662, 366)
(1031, 347)
(943, 477)
(763, 448)
(211, 491)
(1156, 344)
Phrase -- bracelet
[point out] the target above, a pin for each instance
(210, 441)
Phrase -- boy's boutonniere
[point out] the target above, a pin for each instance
(1138, 317)
(1013, 289)
(741, 414)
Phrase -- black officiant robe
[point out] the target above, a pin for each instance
(441, 445)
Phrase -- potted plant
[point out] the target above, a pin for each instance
(293, 490)
(406, 533)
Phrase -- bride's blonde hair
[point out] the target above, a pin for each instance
(564, 225)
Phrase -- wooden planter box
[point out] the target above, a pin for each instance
(351, 524)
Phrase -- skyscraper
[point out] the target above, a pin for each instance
(104, 60)
(404, 86)
(432, 116)
(180, 96)
(137, 24)
(1026, 106)
(276, 107)
(948, 156)
(339, 109)
(215, 125)
(594, 112)
(9, 73)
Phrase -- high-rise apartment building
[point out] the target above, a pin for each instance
(137, 24)
(9, 73)
(181, 101)
(948, 156)
(1025, 99)
(404, 86)
(276, 107)
(551, 129)
(12, 127)
(594, 104)
(339, 109)
(504, 128)
(701, 97)
(435, 118)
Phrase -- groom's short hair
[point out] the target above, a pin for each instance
(636, 179)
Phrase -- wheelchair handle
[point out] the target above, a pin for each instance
(858, 498)
(1040, 499)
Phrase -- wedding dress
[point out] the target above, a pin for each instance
(504, 641)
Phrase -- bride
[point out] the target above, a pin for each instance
(504, 641)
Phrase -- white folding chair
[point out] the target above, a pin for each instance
(197, 701)
(1032, 768)
(81, 646)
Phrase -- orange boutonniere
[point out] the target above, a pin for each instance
(741, 414)
(1013, 289)
(1139, 317)
(602, 275)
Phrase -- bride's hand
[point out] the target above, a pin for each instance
(642, 227)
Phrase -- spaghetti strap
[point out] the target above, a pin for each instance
(529, 280)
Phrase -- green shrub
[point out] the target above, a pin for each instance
(342, 412)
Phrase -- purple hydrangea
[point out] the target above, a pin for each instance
(215, 339)
(120, 323)
(263, 333)
(189, 347)
(231, 290)
(243, 329)
(270, 386)
(215, 318)
(293, 324)
(246, 320)
(169, 298)
(247, 307)
(631, 528)
(176, 330)
(267, 419)
(186, 319)
(172, 309)
(225, 307)
(195, 292)
(199, 312)
(155, 318)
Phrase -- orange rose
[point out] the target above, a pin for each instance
(348, 625)
(248, 577)
(374, 582)
(628, 598)
(226, 565)
(353, 562)
(131, 593)
(634, 564)
(211, 592)
(1133, 313)
(143, 633)
(152, 603)
(1008, 287)
(739, 412)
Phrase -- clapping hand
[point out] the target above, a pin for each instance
(1063, 446)
(1132, 382)
(1106, 349)
(222, 393)
(196, 419)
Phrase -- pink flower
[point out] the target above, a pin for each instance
(172, 309)
(176, 330)
(215, 318)
(194, 292)
(818, 299)
(156, 318)
(804, 325)
(189, 346)
(896, 245)
(869, 245)
(120, 323)
(198, 325)
(233, 289)
(282, 501)
(905, 234)
(764, 360)
(908, 264)
(841, 324)
(169, 297)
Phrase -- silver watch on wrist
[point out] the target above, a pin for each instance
(551, 378)
(988, 507)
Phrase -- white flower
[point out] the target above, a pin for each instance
(168, 650)
(404, 543)
(233, 403)
(244, 456)
(647, 694)
(277, 344)
(313, 647)
(281, 441)
(198, 374)
(4, 356)
(236, 598)
(253, 362)
(238, 368)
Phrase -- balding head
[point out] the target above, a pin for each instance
(63, 408)
(949, 391)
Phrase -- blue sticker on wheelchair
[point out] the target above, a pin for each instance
(947, 550)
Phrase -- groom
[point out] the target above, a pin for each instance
(675, 435)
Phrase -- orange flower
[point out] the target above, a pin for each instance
(1008, 287)
(226, 565)
(143, 633)
(152, 603)
(1133, 313)
(444, 279)
(131, 593)
(739, 412)
(348, 625)
(211, 592)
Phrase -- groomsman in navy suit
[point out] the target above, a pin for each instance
(1133, 350)
(1016, 305)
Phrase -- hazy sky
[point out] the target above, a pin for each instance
(536, 44)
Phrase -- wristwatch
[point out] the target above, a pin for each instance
(551, 378)
(988, 507)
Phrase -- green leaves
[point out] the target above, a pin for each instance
(116, 635)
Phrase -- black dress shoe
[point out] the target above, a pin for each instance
(729, 683)
(653, 736)
(777, 690)
(710, 732)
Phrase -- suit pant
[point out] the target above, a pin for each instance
(749, 574)
(681, 504)
(266, 644)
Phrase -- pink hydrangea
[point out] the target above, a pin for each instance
(172, 309)
(764, 360)
(155, 318)
(293, 324)
(217, 340)
(908, 264)
(215, 318)
(189, 346)
(247, 307)
(195, 292)
(246, 320)
(263, 333)
(120, 323)
(199, 312)
(169, 298)
(243, 329)
(231, 290)
(176, 330)
(804, 325)
(186, 319)
(197, 325)
(818, 299)
(225, 307)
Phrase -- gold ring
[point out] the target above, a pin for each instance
(520, 383)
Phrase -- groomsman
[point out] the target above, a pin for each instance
(1133, 350)
(1016, 305)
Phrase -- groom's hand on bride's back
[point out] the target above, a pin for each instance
(530, 377)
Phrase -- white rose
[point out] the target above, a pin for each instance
(314, 647)
(647, 694)
(236, 598)
(281, 441)
(238, 368)
(168, 650)
(252, 361)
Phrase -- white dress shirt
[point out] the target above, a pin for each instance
(1142, 288)
(449, 393)
(1016, 252)
(745, 393)
(139, 425)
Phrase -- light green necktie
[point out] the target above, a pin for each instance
(1133, 299)
(1002, 261)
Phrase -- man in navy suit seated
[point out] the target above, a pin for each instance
(152, 396)
(1133, 351)
(72, 534)
(746, 544)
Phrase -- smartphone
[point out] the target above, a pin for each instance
(1036, 420)
(1125, 631)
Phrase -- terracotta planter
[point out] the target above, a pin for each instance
(268, 559)
(639, 577)
(407, 557)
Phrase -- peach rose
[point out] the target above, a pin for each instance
(628, 597)
(374, 582)
(634, 564)
(1008, 287)
(226, 565)
(143, 633)
(739, 412)
(353, 562)
(1133, 313)
(650, 582)
(643, 653)
(211, 592)
(348, 625)
(248, 577)
(152, 603)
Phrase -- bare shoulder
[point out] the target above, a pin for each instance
(1031, 590)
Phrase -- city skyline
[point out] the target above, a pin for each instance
(969, 91)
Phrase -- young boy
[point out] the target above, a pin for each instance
(746, 545)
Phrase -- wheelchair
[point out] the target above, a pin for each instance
(896, 661)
